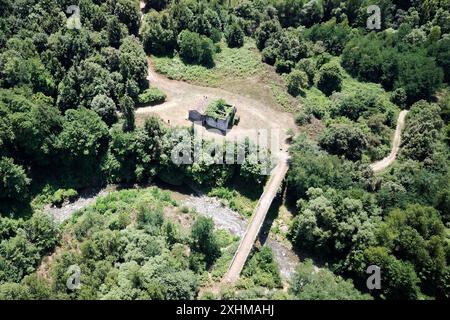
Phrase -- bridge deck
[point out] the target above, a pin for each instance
(264, 203)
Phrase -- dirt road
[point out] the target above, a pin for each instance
(270, 191)
(386, 162)
(254, 114)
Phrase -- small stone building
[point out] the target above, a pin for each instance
(216, 114)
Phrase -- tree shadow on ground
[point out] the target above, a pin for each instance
(252, 192)
(16, 209)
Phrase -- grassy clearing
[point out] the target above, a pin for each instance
(230, 64)
(283, 98)
(350, 85)
(238, 70)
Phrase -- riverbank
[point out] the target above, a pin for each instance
(223, 217)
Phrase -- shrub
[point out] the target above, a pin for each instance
(423, 127)
(447, 134)
(157, 32)
(126, 106)
(234, 36)
(105, 108)
(14, 182)
(14, 291)
(345, 140)
(316, 105)
(443, 56)
(262, 269)
(152, 96)
(399, 97)
(265, 31)
(296, 81)
(223, 193)
(419, 76)
(310, 284)
(309, 67)
(184, 209)
(283, 66)
(195, 48)
(269, 55)
(330, 78)
(442, 203)
(302, 118)
(63, 195)
(334, 36)
(204, 240)
(356, 104)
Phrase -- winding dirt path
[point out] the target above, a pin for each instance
(182, 96)
(386, 162)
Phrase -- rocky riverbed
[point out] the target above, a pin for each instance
(232, 221)
(223, 217)
(62, 213)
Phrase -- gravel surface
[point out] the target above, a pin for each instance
(66, 210)
(232, 221)
(286, 259)
(223, 217)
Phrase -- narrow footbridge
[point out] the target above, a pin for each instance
(276, 179)
(270, 191)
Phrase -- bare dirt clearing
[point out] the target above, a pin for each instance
(182, 96)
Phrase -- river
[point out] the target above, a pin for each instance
(223, 217)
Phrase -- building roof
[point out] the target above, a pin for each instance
(219, 109)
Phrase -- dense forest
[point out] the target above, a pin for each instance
(68, 97)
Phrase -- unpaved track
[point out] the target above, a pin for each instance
(246, 245)
(386, 162)
(183, 96)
